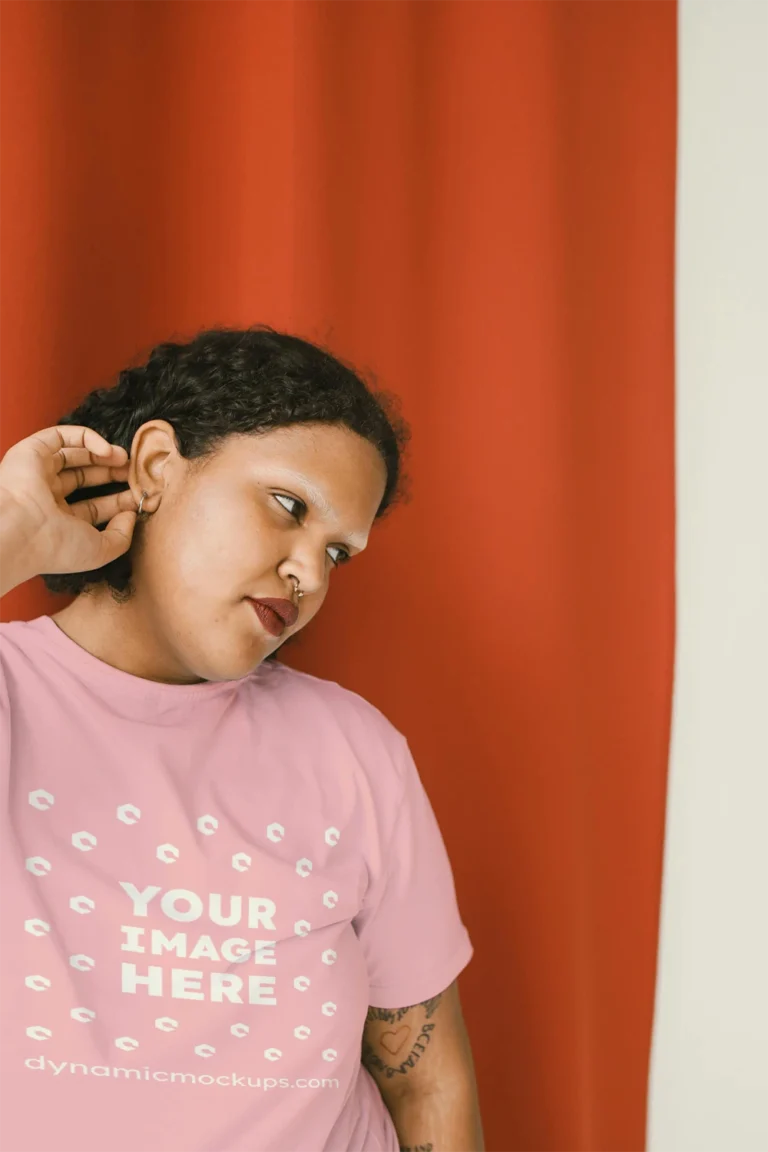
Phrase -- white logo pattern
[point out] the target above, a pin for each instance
(41, 799)
(168, 853)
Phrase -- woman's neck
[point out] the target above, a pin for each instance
(123, 636)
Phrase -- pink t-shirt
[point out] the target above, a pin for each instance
(203, 889)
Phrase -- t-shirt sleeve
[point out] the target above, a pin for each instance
(410, 928)
(5, 724)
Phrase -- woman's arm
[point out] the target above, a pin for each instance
(421, 1060)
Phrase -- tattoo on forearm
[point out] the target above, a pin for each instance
(392, 1015)
(417, 1148)
(399, 1041)
(394, 1041)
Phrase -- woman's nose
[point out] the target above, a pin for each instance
(309, 573)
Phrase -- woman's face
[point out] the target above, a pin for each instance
(295, 501)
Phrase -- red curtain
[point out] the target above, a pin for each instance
(475, 201)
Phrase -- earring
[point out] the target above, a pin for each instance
(143, 498)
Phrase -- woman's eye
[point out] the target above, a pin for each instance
(291, 500)
(343, 556)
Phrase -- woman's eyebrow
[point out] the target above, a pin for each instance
(320, 502)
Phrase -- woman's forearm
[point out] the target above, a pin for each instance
(440, 1121)
(16, 533)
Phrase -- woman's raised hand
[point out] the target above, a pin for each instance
(40, 532)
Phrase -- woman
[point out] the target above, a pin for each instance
(229, 920)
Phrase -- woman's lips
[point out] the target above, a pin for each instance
(269, 618)
(275, 614)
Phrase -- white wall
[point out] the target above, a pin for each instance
(709, 1063)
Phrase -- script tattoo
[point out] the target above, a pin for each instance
(417, 1148)
(404, 1049)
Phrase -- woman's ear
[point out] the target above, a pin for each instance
(154, 459)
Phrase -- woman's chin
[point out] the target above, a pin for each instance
(227, 663)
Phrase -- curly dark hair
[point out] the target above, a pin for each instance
(227, 381)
